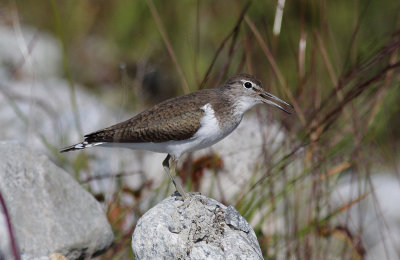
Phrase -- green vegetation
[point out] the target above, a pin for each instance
(344, 84)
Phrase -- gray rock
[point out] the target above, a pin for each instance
(377, 214)
(50, 211)
(45, 55)
(198, 228)
(234, 219)
(29, 257)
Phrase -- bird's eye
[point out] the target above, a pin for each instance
(248, 85)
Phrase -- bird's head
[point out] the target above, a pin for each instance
(247, 91)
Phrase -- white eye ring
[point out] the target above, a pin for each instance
(247, 84)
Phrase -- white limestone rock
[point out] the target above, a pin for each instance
(50, 211)
(198, 228)
(33, 53)
(378, 213)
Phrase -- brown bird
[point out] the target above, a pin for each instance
(186, 123)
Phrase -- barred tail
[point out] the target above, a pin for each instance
(79, 146)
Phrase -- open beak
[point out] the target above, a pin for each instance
(269, 99)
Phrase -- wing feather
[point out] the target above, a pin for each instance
(175, 119)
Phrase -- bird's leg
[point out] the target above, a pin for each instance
(170, 168)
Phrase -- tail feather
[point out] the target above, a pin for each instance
(79, 146)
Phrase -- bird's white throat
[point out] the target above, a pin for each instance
(243, 104)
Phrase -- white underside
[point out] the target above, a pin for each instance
(208, 134)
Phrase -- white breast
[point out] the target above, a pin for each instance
(208, 134)
(209, 130)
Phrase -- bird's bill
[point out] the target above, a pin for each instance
(269, 99)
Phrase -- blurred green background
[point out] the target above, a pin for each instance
(126, 32)
(336, 61)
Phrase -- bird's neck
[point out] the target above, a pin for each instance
(242, 105)
(227, 111)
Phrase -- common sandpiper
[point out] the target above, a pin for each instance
(186, 123)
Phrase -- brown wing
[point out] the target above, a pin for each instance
(174, 119)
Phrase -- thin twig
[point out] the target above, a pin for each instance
(110, 176)
(61, 38)
(233, 33)
(171, 52)
(278, 17)
(10, 229)
(352, 94)
(276, 70)
(362, 68)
